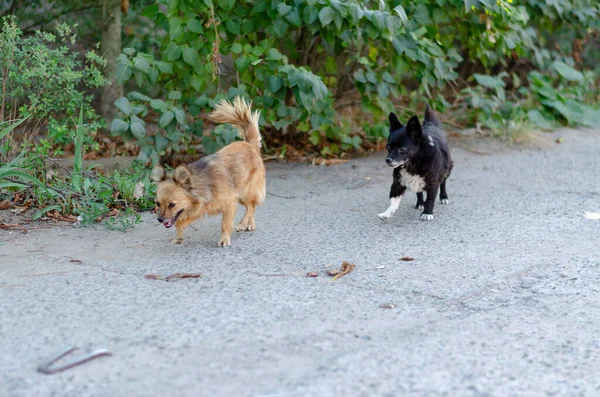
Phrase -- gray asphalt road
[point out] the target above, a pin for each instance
(502, 299)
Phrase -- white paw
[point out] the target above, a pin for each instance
(444, 201)
(426, 217)
(384, 216)
(420, 207)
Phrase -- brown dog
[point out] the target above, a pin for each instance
(216, 183)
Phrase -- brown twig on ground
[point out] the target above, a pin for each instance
(13, 226)
(172, 276)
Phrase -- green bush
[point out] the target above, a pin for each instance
(301, 60)
(45, 81)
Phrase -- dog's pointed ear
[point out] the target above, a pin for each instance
(430, 117)
(183, 177)
(414, 129)
(394, 122)
(158, 174)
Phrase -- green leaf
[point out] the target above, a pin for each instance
(124, 72)
(208, 3)
(236, 48)
(190, 56)
(7, 130)
(356, 13)
(401, 13)
(141, 63)
(195, 26)
(175, 95)
(165, 67)
(310, 15)
(158, 104)
(488, 81)
(247, 26)
(129, 51)
(179, 115)
(274, 55)
(173, 51)
(242, 63)
(38, 214)
(233, 26)
(537, 118)
(118, 126)
(275, 83)
(123, 105)
(153, 75)
(567, 71)
(294, 18)
(166, 119)
(138, 130)
(279, 27)
(136, 96)
(196, 82)
(326, 15)
(283, 9)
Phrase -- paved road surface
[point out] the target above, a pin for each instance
(502, 299)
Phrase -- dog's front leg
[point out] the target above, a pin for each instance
(227, 226)
(396, 193)
(180, 226)
(427, 214)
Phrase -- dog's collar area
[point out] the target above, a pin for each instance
(170, 222)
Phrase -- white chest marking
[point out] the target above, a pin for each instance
(431, 141)
(414, 183)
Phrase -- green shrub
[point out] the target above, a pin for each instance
(45, 81)
(300, 60)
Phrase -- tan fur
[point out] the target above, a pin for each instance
(215, 184)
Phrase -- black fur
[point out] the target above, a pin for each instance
(421, 151)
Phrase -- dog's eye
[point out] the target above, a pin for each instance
(157, 204)
(171, 205)
(403, 150)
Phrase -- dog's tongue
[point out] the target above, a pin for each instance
(168, 223)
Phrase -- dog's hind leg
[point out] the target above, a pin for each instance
(247, 222)
(443, 194)
(396, 193)
(420, 201)
(227, 225)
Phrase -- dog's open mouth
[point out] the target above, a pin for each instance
(170, 222)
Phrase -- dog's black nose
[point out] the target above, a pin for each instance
(388, 161)
(160, 220)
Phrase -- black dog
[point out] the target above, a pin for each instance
(421, 161)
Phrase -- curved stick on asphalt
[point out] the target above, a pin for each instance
(46, 368)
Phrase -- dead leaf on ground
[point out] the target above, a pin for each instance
(592, 215)
(475, 151)
(559, 139)
(59, 217)
(6, 204)
(321, 161)
(13, 226)
(407, 258)
(139, 190)
(346, 268)
(76, 261)
(18, 210)
(388, 305)
(312, 274)
(172, 276)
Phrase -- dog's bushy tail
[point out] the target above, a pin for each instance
(240, 115)
(431, 118)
